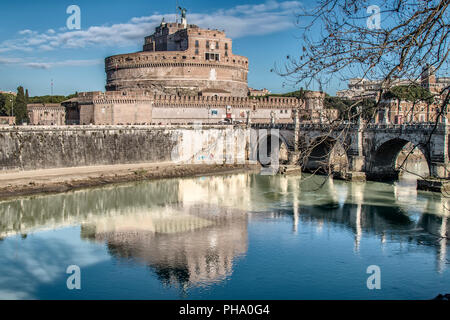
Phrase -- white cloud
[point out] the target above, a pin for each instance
(24, 271)
(25, 32)
(239, 21)
(32, 63)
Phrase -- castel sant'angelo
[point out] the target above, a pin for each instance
(184, 74)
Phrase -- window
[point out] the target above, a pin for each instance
(212, 56)
(196, 44)
(226, 46)
(207, 44)
(217, 44)
(196, 51)
(226, 53)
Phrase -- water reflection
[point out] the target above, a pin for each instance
(193, 232)
(193, 246)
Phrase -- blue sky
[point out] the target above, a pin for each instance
(36, 47)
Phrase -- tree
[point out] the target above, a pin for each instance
(342, 39)
(50, 99)
(411, 93)
(3, 111)
(338, 41)
(6, 104)
(20, 107)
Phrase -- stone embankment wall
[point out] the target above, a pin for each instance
(32, 148)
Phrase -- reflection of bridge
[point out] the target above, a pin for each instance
(370, 149)
(363, 209)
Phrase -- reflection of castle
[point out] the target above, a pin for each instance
(192, 242)
(189, 231)
(194, 248)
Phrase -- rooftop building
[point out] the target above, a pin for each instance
(363, 88)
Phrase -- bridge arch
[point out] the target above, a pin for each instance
(325, 154)
(384, 162)
(271, 144)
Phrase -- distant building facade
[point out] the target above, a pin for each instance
(48, 114)
(258, 92)
(8, 92)
(7, 121)
(392, 111)
(363, 88)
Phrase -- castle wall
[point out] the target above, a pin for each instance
(46, 114)
(140, 108)
(87, 114)
(169, 77)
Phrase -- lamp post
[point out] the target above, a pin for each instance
(12, 107)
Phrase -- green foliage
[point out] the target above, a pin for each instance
(348, 109)
(20, 106)
(17, 105)
(368, 109)
(51, 99)
(297, 94)
(336, 103)
(6, 103)
(300, 94)
(412, 93)
(47, 99)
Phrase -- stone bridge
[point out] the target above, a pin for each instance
(363, 150)
(367, 149)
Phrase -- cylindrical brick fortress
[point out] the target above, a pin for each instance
(181, 60)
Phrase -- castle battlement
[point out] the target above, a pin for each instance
(124, 97)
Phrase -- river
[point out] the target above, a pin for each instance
(236, 236)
